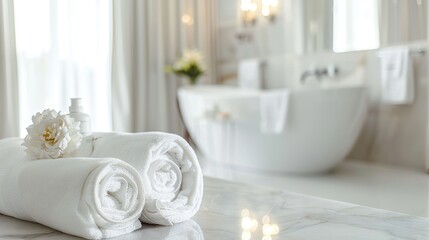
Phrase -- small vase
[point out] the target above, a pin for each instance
(193, 80)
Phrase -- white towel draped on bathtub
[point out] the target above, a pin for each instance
(89, 198)
(273, 110)
(170, 170)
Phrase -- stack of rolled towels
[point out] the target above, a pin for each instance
(112, 182)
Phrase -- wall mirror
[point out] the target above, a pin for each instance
(353, 25)
(305, 27)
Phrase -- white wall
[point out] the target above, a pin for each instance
(392, 134)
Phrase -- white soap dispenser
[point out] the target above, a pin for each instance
(76, 112)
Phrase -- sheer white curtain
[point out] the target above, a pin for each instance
(64, 50)
(111, 53)
(148, 35)
(9, 120)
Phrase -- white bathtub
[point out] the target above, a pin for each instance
(321, 127)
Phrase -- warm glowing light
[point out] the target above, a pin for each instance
(253, 7)
(269, 8)
(270, 229)
(248, 11)
(186, 19)
(265, 8)
(265, 12)
(246, 223)
(245, 5)
(246, 235)
(249, 225)
(274, 3)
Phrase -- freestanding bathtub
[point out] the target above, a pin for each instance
(321, 127)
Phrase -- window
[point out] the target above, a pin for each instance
(63, 50)
(355, 25)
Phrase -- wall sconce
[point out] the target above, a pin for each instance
(248, 10)
(249, 15)
(269, 9)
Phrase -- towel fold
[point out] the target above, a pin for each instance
(89, 198)
(273, 110)
(397, 78)
(171, 174)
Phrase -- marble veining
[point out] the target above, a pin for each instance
(297, 217)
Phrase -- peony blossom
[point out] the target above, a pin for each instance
(52, 135)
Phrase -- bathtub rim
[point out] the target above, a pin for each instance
(213, 90)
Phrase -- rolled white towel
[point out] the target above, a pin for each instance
(171, 174)
(89, 198)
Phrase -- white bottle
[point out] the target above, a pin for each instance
(76, 113)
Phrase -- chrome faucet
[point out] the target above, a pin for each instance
(319, 73)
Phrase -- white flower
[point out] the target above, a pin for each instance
(188, 58)
(193, 56)
(52, 135)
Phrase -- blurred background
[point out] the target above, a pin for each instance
(323, 97)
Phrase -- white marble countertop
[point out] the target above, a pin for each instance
(296, 216)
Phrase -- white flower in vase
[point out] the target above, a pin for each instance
(52, 135)
(190, 65)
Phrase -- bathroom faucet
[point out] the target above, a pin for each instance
(318, 73)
